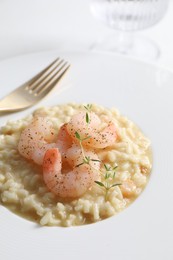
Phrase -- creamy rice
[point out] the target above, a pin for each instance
(23, 191)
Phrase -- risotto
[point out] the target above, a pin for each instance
(23, 190)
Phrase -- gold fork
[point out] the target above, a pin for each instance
(36, 88)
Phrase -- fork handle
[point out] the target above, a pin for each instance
(8, 108)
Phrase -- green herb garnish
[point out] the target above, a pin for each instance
(80, 142)
(87, 117)
(88, 107)
(108, 176)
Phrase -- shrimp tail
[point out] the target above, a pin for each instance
(52, 165)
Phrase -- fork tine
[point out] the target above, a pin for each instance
(36, 77)
(44, 91)
(23, 97)
(52, 76)
(44, 79)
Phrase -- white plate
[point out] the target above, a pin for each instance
(140, 91)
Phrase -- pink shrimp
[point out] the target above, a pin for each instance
(36, 138)
(96, 138)
(64, 140)
(77, 180)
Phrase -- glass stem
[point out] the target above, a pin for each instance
(125, 41)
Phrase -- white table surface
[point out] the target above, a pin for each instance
(42, 25)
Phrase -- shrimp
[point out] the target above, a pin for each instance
(36, 138)
(64, 140)
(77, 180)
(96, 138)
(75, 157)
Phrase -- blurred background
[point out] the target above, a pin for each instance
(43, 25)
